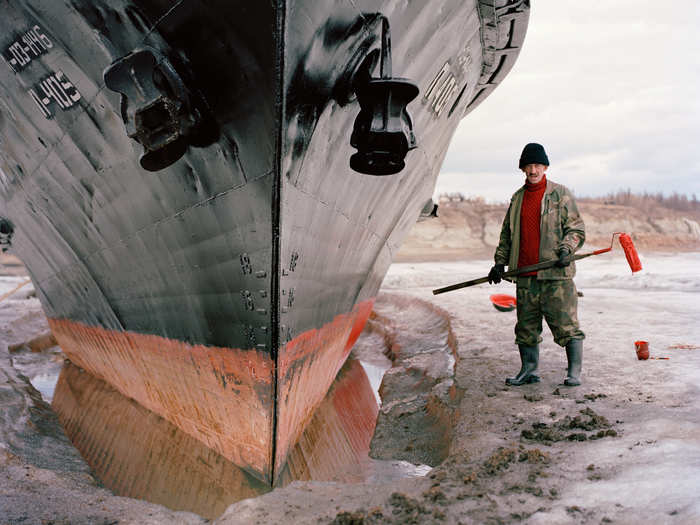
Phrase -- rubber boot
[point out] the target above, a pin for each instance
(574, 354)
(529, 359)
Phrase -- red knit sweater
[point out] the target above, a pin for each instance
(530, 224)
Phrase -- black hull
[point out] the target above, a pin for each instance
(260, 241)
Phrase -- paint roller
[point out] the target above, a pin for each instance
(625, 242)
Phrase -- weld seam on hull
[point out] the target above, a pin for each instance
(276, 215)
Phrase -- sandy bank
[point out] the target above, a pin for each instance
(470, 229)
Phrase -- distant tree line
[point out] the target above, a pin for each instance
(642, 201)
(646, 200)
(457, 196)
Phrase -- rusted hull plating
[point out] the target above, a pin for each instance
(176, 178)
(136, 453)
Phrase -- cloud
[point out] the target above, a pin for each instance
(611, 93)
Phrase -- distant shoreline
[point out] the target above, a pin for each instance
(457, 256)
(469, 229)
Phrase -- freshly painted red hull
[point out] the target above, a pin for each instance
(224, 397)
(138, 454)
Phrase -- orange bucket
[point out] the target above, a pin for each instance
(642, 348)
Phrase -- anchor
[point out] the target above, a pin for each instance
(156, 106)
(383, 130)
(7, 229)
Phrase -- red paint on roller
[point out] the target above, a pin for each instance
(630, 252)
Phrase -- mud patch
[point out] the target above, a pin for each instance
(499, 460)
(495, 464)
(593, 425)
(400, 508)
(533, 398)
(593, 397)
(374, 516)
(419, 396)
(534, 455)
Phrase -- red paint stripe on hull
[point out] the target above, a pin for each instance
(221, 396)
(308, 364)
(136, 453)
(335, 444)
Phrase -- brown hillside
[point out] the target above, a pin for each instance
(469, 229)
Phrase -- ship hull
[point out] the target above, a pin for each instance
(136, 453)
(224, 290)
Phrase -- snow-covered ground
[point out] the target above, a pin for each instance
(648, 473)
(658, 472)
(660, 304)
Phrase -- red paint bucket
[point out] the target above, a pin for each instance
(642, 348)
(503, 302)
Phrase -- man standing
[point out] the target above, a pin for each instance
(542, 223)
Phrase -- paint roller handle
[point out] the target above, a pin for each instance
(512, 273)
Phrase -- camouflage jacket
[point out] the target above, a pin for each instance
(560, 225)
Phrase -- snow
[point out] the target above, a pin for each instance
(649, 473)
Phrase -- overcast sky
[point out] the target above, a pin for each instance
(610, 88)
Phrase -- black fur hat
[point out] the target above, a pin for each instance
(533, 153)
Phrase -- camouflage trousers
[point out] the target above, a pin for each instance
(556, 300)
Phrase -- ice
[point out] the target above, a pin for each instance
(375, 375)
(660, 272)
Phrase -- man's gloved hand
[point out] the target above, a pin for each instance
(564, 255)
(496, 274)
